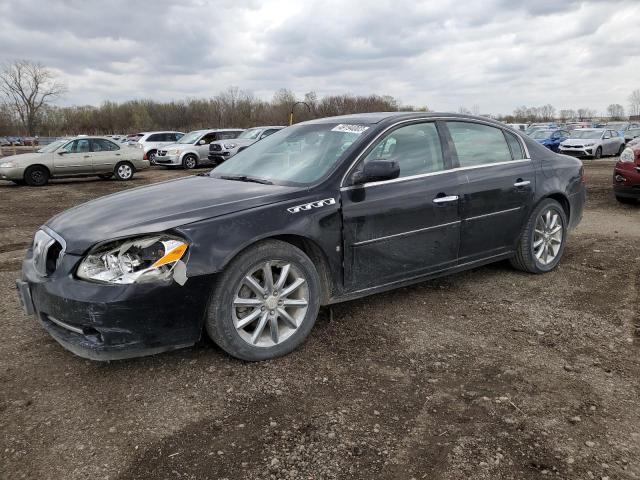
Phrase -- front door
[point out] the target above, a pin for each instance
(406, 227)
(74, 158)
(498, 191)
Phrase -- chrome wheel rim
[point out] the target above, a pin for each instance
(547, 237)
(37, 176)
(270, 303)
(190, 162)
(152, 157)
(124, 171)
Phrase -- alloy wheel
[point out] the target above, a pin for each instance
(190, 162)
(547, 236)
(125, 172)
(270, 303)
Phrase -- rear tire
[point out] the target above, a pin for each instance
(189, 162)
(251, 327)
(124, 171)
(36, 176)
(542, 243)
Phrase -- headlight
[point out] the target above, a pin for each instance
(229, 146)
(627, 156)
(589, 144)
(175, 151)
(8, 165)
(133, 260)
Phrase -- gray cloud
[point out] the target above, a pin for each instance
(496, 53)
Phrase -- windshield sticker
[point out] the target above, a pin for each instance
(343, 127)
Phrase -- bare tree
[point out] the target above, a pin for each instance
(28, 87)
(634, 103)
(615, 111)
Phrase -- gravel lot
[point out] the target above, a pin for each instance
(486, 374)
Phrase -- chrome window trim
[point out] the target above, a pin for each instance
(523, 144)
(430, 174)
(403, 234)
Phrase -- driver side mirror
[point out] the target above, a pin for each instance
(201, 142)
(607, 136)
(377, 171)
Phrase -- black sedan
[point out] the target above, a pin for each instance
(318, 213)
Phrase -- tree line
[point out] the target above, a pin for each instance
(27, 90)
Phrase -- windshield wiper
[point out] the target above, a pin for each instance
(245, 178)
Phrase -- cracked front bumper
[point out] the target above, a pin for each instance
(110, 322)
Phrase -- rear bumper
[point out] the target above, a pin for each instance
(110, 322)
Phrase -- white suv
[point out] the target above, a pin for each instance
(151, 141)
(192, 149)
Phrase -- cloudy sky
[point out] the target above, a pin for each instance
(497, 54)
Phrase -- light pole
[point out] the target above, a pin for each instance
(294, 106)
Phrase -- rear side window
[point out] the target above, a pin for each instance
(415, 147)
(477, 144)
(517, 152)
(102, 145)
(156, 137)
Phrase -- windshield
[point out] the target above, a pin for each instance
(301, 154)
(52, 147)
(583, 133)
(541, 134)
(191, 137)
(250, 134)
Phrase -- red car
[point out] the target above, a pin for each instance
(30, 142)
(626, 175)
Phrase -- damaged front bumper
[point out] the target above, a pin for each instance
(110, 322)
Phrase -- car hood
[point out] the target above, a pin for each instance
(24, 158)
(159, 207)
(240, 142)
(580, 141)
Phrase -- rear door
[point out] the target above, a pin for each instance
(74, 158)
(105, 154)
(498, 191)
(406, 227)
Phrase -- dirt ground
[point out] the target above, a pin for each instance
(487, 374)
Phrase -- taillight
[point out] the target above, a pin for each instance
(144, 156)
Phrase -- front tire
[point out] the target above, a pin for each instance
(265, 303)
(36, 176)
(189, 162)
(598, 153)
(542, 240)
(151, 156)
(124, 171)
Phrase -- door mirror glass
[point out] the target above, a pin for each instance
(201, 142)
(607, 136)
(377, 171)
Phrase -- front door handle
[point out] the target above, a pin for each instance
(87, 156)
(521, 183)
(449, 198)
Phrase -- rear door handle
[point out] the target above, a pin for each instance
(521, 183)
(449, 198)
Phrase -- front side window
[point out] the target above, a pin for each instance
(77, 146)
(297, 155)
(477, 144)
(208, 138)
(415, 147)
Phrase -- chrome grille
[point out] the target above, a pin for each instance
(214, 147)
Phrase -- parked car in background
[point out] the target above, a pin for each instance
(631, 133)
(5, 142)
(16, 141)
(30, 142)
(592, 142)
(626, 174)
(322, 212)
(621, 127)
(82, 156)
(576, 125)
(192, 150)
(550, 138)
(152, 141)
(518, 126)
(220, 151)
(540, 126)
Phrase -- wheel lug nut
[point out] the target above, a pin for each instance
(263, 309)
(265, 296)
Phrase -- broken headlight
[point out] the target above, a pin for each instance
(133, 260)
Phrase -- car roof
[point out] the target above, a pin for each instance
(158, 131)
